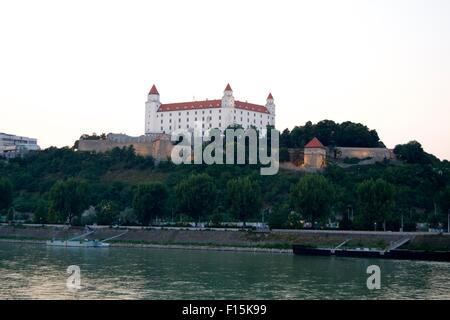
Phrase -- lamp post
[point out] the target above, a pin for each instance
(448, 221)
(401, 228)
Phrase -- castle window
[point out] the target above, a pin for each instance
(162, 129)
(220, 111)
(179, 127)
(203, 111)
(210, 111)
(220, 117)
(170, 120)
(170, 127)
(220, 124)
(195, 118)
(179, 113)
(195, 112)
(161, 121)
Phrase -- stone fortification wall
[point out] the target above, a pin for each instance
(159, 147)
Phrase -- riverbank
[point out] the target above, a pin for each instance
(231, 240)
(170, 246)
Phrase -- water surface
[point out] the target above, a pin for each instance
(39, 272)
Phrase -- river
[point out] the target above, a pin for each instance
(38, 272)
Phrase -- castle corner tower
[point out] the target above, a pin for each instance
(151, 108)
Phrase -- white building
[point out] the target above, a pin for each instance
(12, 146)
(219, 113)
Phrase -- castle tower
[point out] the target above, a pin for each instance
(315, 155)
(270, 105)
(228, 99)
(151, 107)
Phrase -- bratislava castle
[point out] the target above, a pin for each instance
(220, 113)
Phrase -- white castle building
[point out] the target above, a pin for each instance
(220, 113)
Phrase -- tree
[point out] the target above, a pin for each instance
(444, 200)
(412, 152)
(375, 202)
(6, 196)
(41, 212)
(196, 195)
(330, 133)
(244, 198)
(127, 217)
(150, 201)
(107, 212)
(68, 199)
(313, 196)
(278, 217)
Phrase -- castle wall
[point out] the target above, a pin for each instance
(377, 154)
(159, 149)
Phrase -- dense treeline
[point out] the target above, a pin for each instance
(119, 187)
(330, 133)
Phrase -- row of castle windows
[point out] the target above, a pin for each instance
(210, 111)
(188, 127)
(209, 119)
(187, 112)
(203, 126)
(195, 119)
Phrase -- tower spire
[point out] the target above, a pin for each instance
(153, 90)
(228, 88)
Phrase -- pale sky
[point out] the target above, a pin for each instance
(74, 67)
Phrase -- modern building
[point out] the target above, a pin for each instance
(206, 114)
(12, 146)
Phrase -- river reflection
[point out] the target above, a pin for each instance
(39, 272)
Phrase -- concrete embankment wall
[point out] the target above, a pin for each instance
(274, 239)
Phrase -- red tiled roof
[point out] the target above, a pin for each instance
(153, 90)
(209, 104)
(228, 88)
(270, 96)
(315, 143)
(206, 104)
(250, 106)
